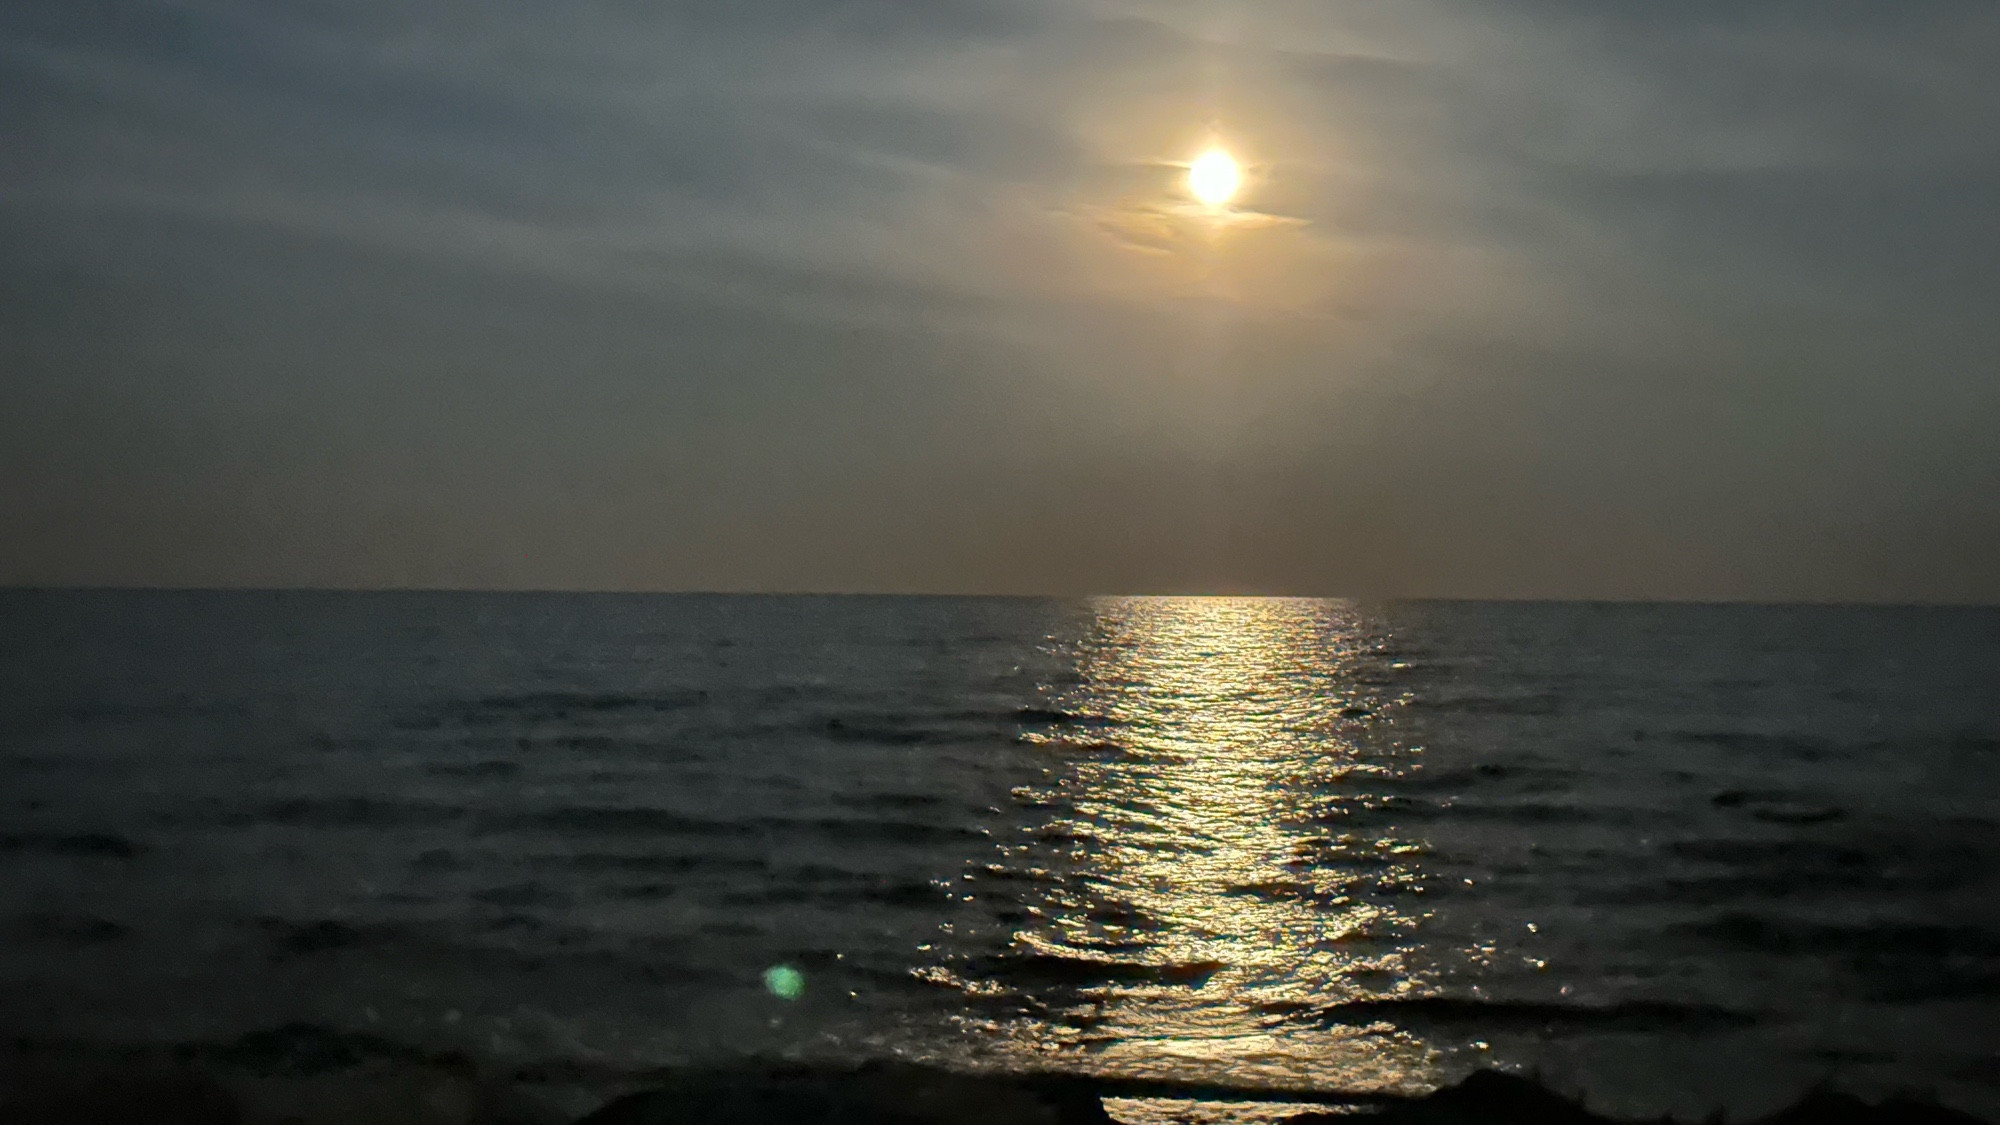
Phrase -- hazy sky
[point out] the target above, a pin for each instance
(1524, 298)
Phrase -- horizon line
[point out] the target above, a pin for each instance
(513, 591)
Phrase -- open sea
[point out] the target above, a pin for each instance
(1672, 858)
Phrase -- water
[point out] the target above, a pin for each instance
(1671, 857)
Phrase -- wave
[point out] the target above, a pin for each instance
(492, 767)
(1895, 962)
(1783, 935)
(946, 726)
(888, 732)
(653, 863)
(1536, 704)
(600, 820)
(325, 935)
(911, 894)
(1762, 745)
(96, 844)
(1522, 1015)
(1080, 971)
(1391, 808)
(69, 931)
(543, 706)
(353, 812)
(1946, 860)
(519, 895)
(1453, 780)
(1774, 806)
(872, 801)
(1043, 716)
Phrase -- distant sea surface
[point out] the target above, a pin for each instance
(1672, 858)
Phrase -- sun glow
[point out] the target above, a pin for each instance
(1214, 177)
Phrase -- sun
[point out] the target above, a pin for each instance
(1214, 177)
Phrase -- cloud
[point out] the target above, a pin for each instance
(1506, 267)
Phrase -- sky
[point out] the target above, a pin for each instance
(1521, 298)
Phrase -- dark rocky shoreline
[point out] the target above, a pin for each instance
(896, 1096)
(306, 1076)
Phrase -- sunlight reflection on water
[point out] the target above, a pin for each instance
(1197, 901)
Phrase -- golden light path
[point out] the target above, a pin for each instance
(1189, 857)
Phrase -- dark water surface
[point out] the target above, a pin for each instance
(1674, 857)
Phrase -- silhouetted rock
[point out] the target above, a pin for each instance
(298, 1075)
(1491, 1098)
(1823, 1107)
(138, 1098)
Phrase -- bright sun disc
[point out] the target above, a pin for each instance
(1214, 177)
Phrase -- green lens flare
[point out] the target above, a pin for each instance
(784, 982)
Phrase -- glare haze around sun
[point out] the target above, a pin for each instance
(1214, 177)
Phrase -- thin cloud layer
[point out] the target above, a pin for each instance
(1539, 297)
